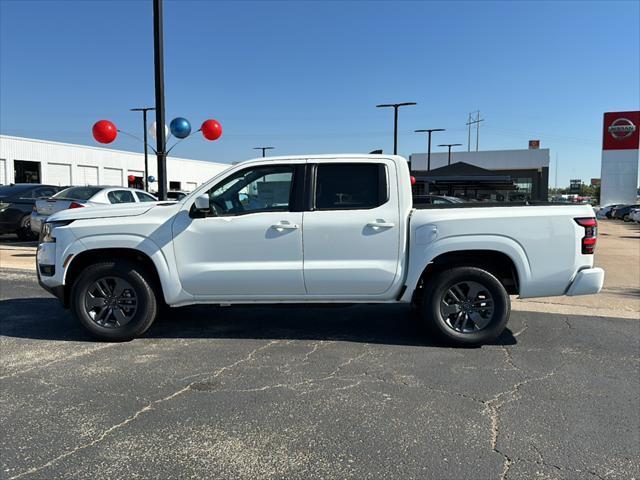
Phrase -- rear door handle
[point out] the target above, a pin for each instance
(379, 224)
(285, 226)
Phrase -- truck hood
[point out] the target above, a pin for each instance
(107, 211)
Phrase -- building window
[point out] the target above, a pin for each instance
(174, 185)
(418, 189)
(25, 171)
(523, 189)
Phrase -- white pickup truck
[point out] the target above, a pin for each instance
(315, 229)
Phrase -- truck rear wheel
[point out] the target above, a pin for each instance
(466, 305)
(114, 300)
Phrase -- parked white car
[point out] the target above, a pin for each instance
(238, 239)
(634, 215)
(88, 196)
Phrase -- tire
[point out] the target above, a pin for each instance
(24, 231)
(480, 296)
(130, 305)
(626, 218)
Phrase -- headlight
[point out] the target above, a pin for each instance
(4, 206)
(46, 234)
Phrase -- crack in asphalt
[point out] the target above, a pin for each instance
(509, 359)
(69, 356)
(492, 410)
(137, 414)
(315, 349)
(524, 328)
(559, 468)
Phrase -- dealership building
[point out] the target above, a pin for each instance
(27, 160)
(494, 175)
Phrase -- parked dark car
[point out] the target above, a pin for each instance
(622, 212)
(435, 200)
(16, 204)
(176, 195)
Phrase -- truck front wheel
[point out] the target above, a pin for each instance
(114, 300)
(466, 305)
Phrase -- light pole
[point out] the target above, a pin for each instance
(144, 111)
(264, 150)
(429, 131)
(395, 120)
(450, 145)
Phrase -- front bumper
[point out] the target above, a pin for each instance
(586, 282)
(46, 260)
(57, 291)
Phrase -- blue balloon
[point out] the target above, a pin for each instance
(180, 127)
(151, 178)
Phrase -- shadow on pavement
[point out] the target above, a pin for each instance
(45, 319)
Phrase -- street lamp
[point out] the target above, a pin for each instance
(264, 150)
(429, 131)
(144, 111)
(450, 145)
(395, 120)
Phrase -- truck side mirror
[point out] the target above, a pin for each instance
(202, 204)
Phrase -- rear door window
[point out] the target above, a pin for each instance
(350, 186)
(121, 196)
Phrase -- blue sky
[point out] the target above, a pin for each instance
(305, 76)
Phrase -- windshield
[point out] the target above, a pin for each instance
(77, 193)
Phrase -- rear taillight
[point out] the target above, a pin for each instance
(590, 225)
(76, 205)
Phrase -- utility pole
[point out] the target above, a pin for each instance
(263, 150)
(158, 56)
(144, 111)
(556, 182)
(450, 145)
(395, 120)
(474, 121)
(429, 131)
(469, 133)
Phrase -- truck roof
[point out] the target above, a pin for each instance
(350, 156)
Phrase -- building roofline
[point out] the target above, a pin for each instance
(101, 149)
(459, 152)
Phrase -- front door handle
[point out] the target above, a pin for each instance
(284, 225)
(381, 224)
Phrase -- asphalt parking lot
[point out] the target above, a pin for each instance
(357, 392)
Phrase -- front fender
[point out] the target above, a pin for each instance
(163, 260)
(423, 254)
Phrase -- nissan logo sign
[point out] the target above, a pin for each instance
(621, 128)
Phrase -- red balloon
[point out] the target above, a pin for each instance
(104, 131)
(211, 129)
(131, 178)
